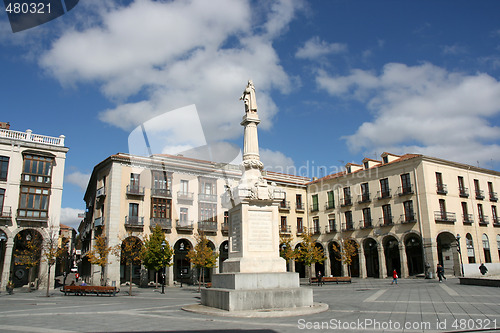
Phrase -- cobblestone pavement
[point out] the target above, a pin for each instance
(413, 305)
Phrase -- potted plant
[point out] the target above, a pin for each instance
(10, 287)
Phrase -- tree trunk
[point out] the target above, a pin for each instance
(48, 281)
(102, 276)
(130, 283)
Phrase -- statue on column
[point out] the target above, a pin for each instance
(248, 98)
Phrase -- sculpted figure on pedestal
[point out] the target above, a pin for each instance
(248, 98)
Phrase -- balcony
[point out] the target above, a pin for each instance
(135, 190)
(300, 230)
(164, 223)
(329, 229)
(134, 221)
(484, 220)
(366, 224)
(185, 196)
(386, 221)
(405, 190)
(468, 219)
(284, 206)
(100, 193)
(381, 195)
(441, 188)
(314, 208)
(6, 213)
(316, 230)
(285, 230)
(479, 195)
(207, 226)
(207, 197)
(224, 228)
(32, 216)
(184, 225)
(496, 222)
(349, 226)
(99, 222)
(364, 198)
(329, 205)
(346, 202)
(445, 217)
(463, 192)
(161, 193)
(408, 218)
(493, 196)
(29, 136)
(299, 207)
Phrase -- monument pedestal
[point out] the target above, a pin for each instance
(256, 291)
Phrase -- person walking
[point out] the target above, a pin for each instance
(320, 279)
(483, 269)
(440, 272)
(394, 277)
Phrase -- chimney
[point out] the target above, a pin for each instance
(4, 125)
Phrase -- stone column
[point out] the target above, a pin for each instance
(403, 260)
(7, 262)
(327, 264)
(362, 262)
(381, 260)
(170, 275)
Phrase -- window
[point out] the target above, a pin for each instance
(408, 208)
(207, 186)
(316, 226)
(470, 249)
(385, 159)
(465, 213)
(365, 192)
(367, 217)
(493, 194)
(134, 181)
(160, 208)
(283, 223)
(477, 188)
(441, 188)
(387, 214)
(494, 214)
(161, 181)
(348, 220)
(498, 245)
(300, 225)
(442, 209)
(4, 167)
(208, 212)
(37, 169)
(347, 195)
(34, 202)
(183, 216)
(461, 187)
(406, 183)
(133, 210)
(315, 206)
(226, 217)
(480, 213)
(331, 224)
(384, 188)
(298, 201)
(486, 249)
(331, 202)
(184, 186)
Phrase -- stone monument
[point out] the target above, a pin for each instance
(254, 275)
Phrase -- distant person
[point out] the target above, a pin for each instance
(440, 272)
(394, 277)
(83, 283)
(483, 269)
(72, 283)
(320, 278)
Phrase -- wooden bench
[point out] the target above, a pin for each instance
(89, 290)
(336, 279)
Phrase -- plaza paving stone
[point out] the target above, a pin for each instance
(366, 305)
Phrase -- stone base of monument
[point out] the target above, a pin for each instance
(257, 294)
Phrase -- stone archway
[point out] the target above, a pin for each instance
(447, 253)
(26, 256)
(414, 254)
(370, 248)
(335, 259)
(299, 266)
(355, 271)
(3, 248)
(319, 266)
(130, 246)
(392, 257)
(223, 255)
(207, 272)
(182, 266)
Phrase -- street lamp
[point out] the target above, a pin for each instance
(460, 254)
(163, 244)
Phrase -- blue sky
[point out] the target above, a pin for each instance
(336, 81)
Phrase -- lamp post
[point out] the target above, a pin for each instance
(163, 244)
(460, 254)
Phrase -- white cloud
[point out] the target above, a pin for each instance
(423, 109)
(276, 161)
(69, 217)
(79, 179)
(154, 57)
(315, 48)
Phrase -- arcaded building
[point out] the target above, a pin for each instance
(31, 185)
(408, 213)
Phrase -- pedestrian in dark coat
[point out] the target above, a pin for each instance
(320, 278)
(483, 269)
(440, 272)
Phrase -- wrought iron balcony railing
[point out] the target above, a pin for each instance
(447, 217)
